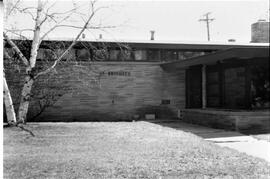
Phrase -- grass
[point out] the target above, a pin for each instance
(120, 150)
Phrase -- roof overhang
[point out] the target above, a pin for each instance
(151, 44)
(220, 56)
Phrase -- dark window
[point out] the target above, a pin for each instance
(83, 54)
(153, 55)
(100, 54)
(125, 55)
(260, 87)
(169, 55)
(113, 54)
(140, 55)
(120, 55)
(234, 87)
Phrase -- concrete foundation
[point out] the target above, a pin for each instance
(242, 121)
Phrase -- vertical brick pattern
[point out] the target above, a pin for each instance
(91, 93)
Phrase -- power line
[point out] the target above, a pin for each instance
(207, 20)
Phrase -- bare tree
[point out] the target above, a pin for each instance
(41, 15)
(10, 113)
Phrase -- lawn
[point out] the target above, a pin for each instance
(120, 150)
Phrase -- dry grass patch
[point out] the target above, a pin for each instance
(120, 150)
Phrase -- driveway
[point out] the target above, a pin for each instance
(254, 145)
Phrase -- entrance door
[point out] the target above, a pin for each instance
(234, 87)
(194, 87)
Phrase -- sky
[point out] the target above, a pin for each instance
(171, 20)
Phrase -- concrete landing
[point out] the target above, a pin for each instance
(253, 145)
(246, 144)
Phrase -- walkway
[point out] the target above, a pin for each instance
(255, 145)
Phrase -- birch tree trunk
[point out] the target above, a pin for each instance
(25, 99)
(29, 79)
(11, 116)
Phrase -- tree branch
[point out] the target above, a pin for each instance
(73, 43)
(90, 27)
(36, 38)
(16, 49)
(20, 35)
(20, 30)
(54, 27)
(13, 7)
(26, 10)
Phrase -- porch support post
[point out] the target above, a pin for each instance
(204, 86)
(187, 82)
(248, 95)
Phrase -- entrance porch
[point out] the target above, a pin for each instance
(228, 89)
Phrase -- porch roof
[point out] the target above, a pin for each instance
(221, 56)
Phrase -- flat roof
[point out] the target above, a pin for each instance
(222, 55)
(158, 41)
(157, 44)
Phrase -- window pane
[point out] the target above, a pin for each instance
(169, 55)
(174, 55)
(125, 55)
(153, 55)
(114, 54)
(100, 54)
(83, 54)
(140, 55)
(260, 86)
(47, 54)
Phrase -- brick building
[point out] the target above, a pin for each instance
(216, 84)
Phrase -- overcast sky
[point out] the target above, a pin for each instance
(171, 20)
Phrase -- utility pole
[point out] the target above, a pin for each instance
(207, 20)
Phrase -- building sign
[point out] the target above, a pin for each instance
(118, 73)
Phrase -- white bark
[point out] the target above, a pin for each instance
(28, 82)
(25, 99)
(11, 117)
(35, 42)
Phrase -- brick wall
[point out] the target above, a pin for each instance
(242, 121)
(214, 119)
(106, 91)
